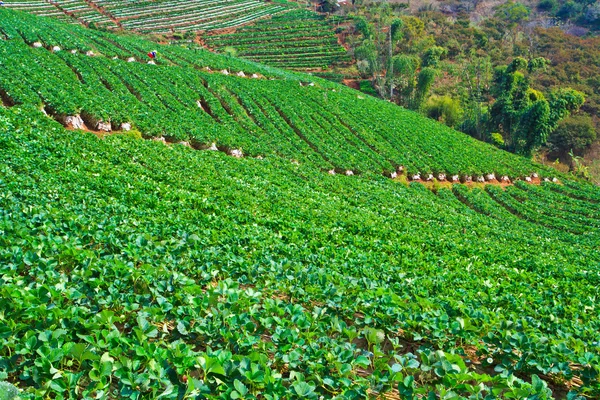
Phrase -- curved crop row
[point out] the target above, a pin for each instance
(292, 39)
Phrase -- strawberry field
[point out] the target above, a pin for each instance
(157, 16)
(138, 269)
(195, 96)
(298, 39)
(135, 270)
(66, 10)
(38, 7)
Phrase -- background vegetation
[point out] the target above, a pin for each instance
(449, 61)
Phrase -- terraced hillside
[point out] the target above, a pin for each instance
(140, 269)
(73, 11)
(41, 8)
(153, 16)
(298, 39)
(204, 99)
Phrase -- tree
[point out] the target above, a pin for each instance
(364, 27)
(433, 55)
(476, 80)
(329, 5)
(574, 133)
(405, 76)
(395, 34)
(512, 12)
(413, 27)
(524, 115)
(367, 57)
(568, 10)
(444, 109)
(424, 81)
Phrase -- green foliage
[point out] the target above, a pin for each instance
(366, 86)
(405, 74)
(174, 271)
(329, 5)
(565, 101)
(444, 109)
(497, 139)
(413, 27)
(569, 9)
(158, 16)
(367, 51)
(396, 29)
(134, 134)
(433, 55)
(578, 167)
(548, 5)
(230, 51)
(300, 117)
(297, 39)
(513, 12)
(134, 269)
(425, 80)
(8, 391)
(524, 115)
(573, 133)
(364, 27)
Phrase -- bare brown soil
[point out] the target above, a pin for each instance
(352, 83)
(104, 12)
(341, 38)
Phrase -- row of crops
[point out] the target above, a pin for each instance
(130, 269)
(66, 10)
(82, 11)
(295, 116)
(297, 39)
(162, 16)
(38, 7)
(156, 16)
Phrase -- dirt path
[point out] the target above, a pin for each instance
(436, 184)
(104, 12)
(352, 83)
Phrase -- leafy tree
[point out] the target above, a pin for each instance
(496, 139)
(569, 9)
(405, 76)
(563, 102)
(413, 27)
(433, 55)
(524, 115)
(329, 5)
(444, 109)
(592, 13)
(395, 34)
(513, 12)
(547, 5)
(396, 29)
(367, 52)
(364, 27)
(425, 80)
(476, 78)
(574, 133)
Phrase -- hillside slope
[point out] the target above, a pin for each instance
(298, 39)
(137, 269)
(140, 269)
(202, 98)
(153, 16)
